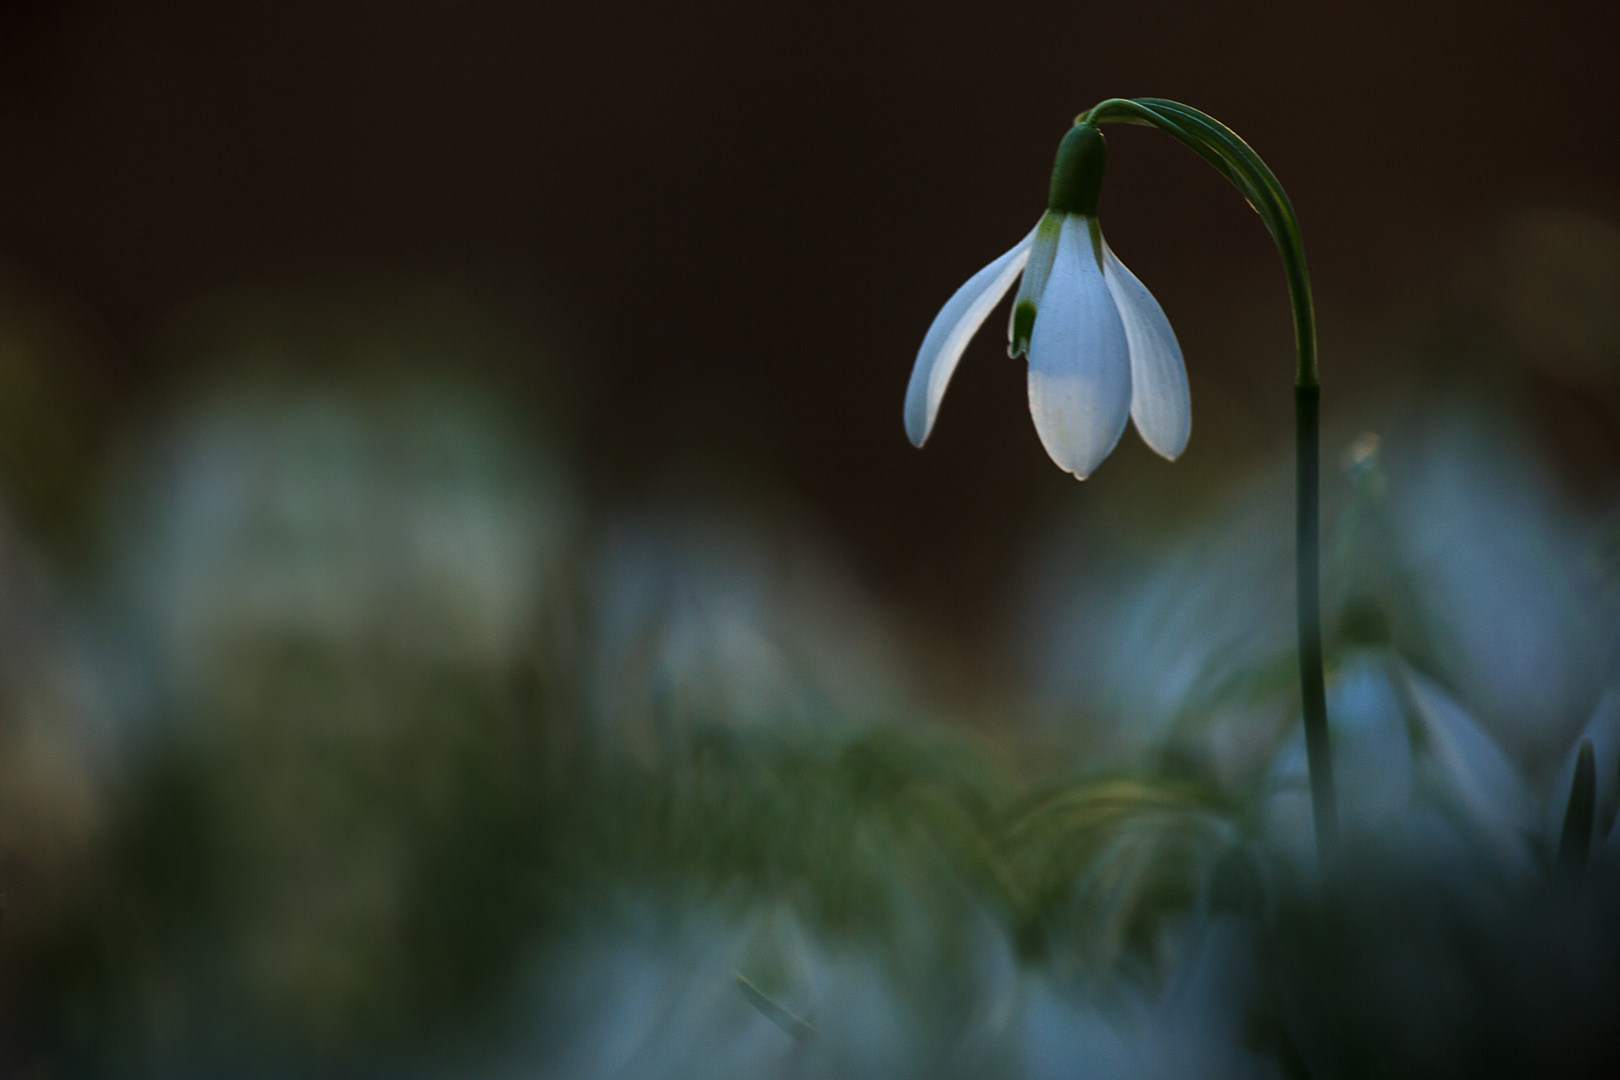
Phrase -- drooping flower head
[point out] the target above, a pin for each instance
(1099, 346)
(1101, 350)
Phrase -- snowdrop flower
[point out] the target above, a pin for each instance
(1419, 769)
(1419, 773)
(1099, 346)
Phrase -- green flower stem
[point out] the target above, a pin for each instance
(1232, 157)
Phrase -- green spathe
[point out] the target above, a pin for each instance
(1041, 256)
(1077, 175)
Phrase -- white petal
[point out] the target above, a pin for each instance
(1482, 782)
(1079, 361)
(1160, 404)
(950, 333)
(1374, 769)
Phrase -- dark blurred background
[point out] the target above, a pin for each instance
(423, 426)
(731, 223)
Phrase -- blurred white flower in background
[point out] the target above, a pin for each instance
(1470, 930)
(1461, 555)
(1501, 564)
(1422, 780)
(1136, 641)
(1192, 1023)
(708, 995)
(410, 520)
(706, 618)
(656, 994)
(1417, 776)
(332, 596)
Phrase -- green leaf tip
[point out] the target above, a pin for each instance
(1576, 838)
(1023, 326)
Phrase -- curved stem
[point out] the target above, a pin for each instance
(1232, 157)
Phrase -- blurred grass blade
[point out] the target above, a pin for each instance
(775, 1013)
(1577, 834)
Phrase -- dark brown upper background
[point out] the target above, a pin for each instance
(736, 219)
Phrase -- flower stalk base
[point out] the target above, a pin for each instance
(1307, 588)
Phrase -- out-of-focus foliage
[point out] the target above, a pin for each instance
(1099, 865)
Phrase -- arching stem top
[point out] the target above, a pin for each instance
(1232, 157)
